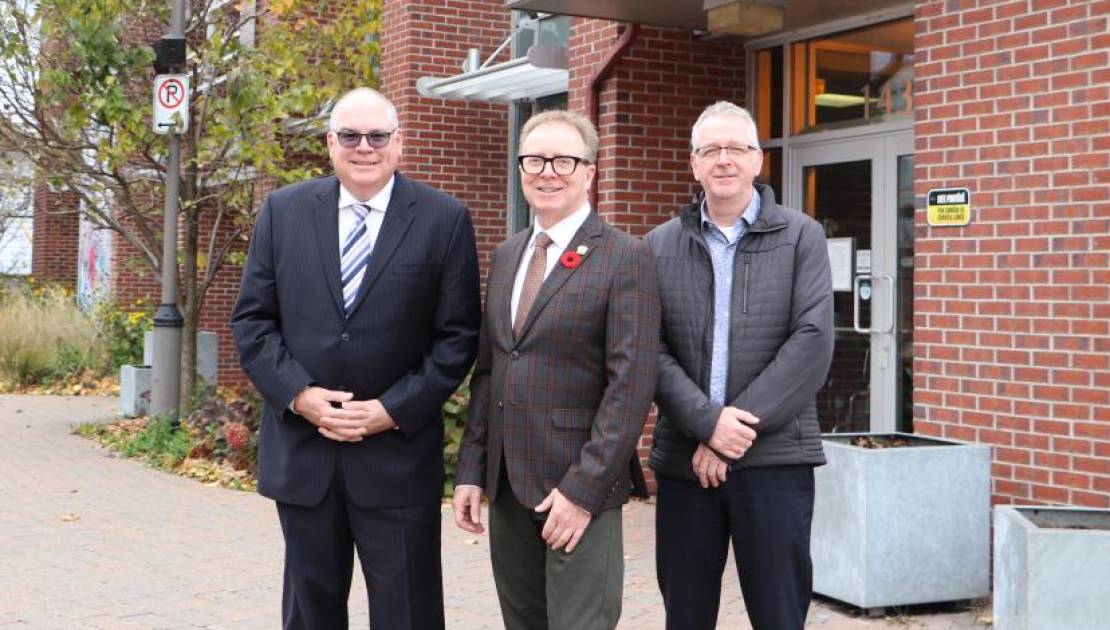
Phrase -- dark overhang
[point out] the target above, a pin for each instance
(692, 14)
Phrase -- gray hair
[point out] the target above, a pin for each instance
(582, 124)
(363, 92)
(723, 108)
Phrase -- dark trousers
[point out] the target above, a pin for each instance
(399, 549)
(767, 513)
(541, 589)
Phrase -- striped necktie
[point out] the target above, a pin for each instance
(354, 256)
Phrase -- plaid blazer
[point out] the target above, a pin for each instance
(564, 404)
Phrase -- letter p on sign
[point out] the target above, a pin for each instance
(171, 103)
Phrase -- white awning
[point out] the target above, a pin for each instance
(542, 72)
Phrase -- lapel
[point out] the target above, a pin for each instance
(504, 275)
(326, 225)
(398, 218)
(588, 234)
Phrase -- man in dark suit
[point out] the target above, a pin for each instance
(565, 375)
(357, 317)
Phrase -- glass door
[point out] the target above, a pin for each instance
(861, 190)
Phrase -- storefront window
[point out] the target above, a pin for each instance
(771, 174)
(768, 92)
(853, 78)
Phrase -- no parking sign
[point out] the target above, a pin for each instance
(171, 103)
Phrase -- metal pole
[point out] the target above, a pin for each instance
(166, 376)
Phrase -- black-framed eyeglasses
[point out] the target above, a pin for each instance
(376, 139)
(560, 164)
(712, 151)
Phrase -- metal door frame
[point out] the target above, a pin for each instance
(882, 148)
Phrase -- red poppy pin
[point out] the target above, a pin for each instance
(571, 260)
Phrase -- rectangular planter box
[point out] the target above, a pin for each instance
(902, 525)
(134, 390)
(1051, 568)
(207, 354)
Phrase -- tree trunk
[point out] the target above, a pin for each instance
(191, 314)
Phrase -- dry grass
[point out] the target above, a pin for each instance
(44, 337)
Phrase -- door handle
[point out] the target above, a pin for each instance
(890, 300)
(856, 285)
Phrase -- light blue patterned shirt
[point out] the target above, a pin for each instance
(722, 249)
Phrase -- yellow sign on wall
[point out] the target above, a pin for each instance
(949, 207)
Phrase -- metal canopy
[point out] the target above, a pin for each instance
(690, 14)
(542, 72)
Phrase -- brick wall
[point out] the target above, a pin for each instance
(133, 281)
(1012, 313)
(647, 107)
(456, 146)
(219, 301)
(54, 240)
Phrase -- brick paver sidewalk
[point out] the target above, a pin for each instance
(88, 540)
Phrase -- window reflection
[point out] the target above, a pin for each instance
(853, 78)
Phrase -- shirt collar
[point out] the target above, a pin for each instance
(378, 202)
(751, 213)
(564, 230)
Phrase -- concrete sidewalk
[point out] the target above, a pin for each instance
(89, 540)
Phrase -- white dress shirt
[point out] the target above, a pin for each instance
(348, 219)
(560, 235)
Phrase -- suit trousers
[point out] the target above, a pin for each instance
(767, 513)
(398, 548)
(541, 589)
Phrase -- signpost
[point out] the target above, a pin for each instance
(171, 116)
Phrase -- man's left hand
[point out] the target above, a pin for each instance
(355, 420)
(566, 522)
(709, 468)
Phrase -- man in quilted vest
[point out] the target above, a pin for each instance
(747, 338)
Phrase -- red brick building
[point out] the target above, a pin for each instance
(994, 331)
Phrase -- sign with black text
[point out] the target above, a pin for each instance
(949, 207)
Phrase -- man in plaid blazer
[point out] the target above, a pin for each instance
(565, 374)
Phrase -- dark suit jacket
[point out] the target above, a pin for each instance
(409, 342)
(566, 402)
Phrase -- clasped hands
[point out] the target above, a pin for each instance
(732, 437)
(351, 421)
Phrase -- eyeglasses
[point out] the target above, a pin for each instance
(351, 139)
(560, 164)
(712, 152)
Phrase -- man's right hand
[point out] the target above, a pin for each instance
(733, 435)
(314, 403)
(468, 508)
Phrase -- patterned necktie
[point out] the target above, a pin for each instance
(533, 278)
(354, 256)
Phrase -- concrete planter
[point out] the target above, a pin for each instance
(207, 354)
(902, 525)
(1051, 568)
(134, 390)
